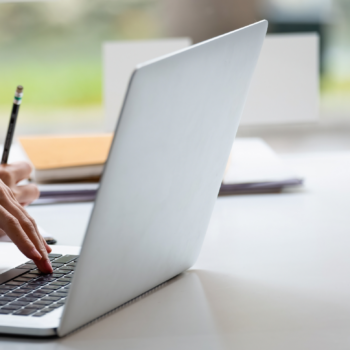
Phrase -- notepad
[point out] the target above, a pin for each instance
(66, 158)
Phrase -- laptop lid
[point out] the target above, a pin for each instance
(163, 174)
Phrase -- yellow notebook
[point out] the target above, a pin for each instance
(64, 158)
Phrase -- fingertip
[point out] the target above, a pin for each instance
(27, 167)
(44, 265)
(48, 266)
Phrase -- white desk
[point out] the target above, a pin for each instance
(274, 273)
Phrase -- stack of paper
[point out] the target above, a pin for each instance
(65, 193)
(253, 167)
(67, 158)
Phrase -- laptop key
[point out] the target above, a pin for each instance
(66, 259)
(38, 282)
(39, 314)
(11, 307)
(39, 305)
(3, 286)
(43, 278)
(5, 312)
(46, 310)
(28, 299)
(43, 302)
(51, 255)
(38, 285)
(46, 279)
(38, 290)
(35, 284)
(36, 295)
(34, 306)
(22, 279)
(26, 266)
(24, 287)
(59, 273)
(56, 264)
(51, 298)
(52, 287)
(16, 294)
(26, 291)
(67, 268)
(47, 291)
(8, 299)
(13, 283)
(64, 279)
(57, 283)
(24, 312)
(29, 275)
(21, 303)
(33, 288)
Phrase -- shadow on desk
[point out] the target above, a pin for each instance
(206, 310)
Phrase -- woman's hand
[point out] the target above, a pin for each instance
(15, 221)
(12, 174)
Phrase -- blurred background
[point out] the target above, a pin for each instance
(53, 48)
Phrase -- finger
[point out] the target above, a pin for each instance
(29, 226)
(47, 247)
(26, 194)
(13, 229)
(44, 264)
(2, 233)
(15, 172)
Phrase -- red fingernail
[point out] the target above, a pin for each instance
(35, 255)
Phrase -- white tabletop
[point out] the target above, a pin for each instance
(273, 274)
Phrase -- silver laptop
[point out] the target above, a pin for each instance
(157, 193)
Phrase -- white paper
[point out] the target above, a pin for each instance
(253, 161)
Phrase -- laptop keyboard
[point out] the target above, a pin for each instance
(25, 291)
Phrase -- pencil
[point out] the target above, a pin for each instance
(12, 124)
